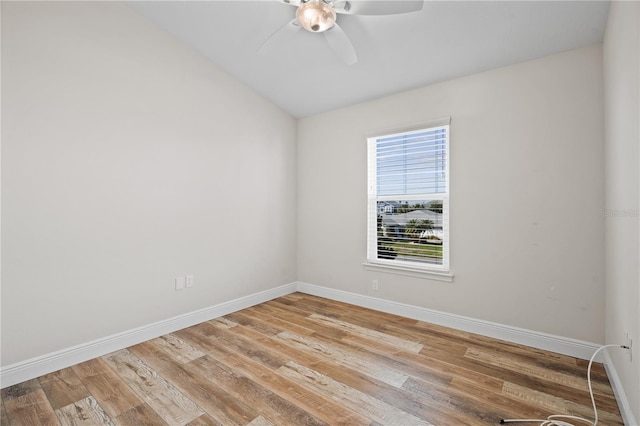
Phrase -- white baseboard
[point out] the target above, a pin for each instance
(557, 344)
(48, 363)
(618, 390)
(549, 342)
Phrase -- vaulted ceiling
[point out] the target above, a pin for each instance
(444, 40)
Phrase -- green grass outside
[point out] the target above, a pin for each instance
(431, 251)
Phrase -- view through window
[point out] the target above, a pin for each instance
(409, 198)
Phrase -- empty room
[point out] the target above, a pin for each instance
(320, 212)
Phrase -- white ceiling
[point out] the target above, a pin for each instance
(445, 40)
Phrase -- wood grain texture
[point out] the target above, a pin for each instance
(304, 360)
(31, 409)
(140, 415)
(83, 412)
(173, 406)
(63, 387)
(107, 387)
(359, 402)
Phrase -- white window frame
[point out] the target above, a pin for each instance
(411, 268)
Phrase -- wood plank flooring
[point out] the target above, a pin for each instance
(304, 360)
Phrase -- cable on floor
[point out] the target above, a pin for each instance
(565, 419)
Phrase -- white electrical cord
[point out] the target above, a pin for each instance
(563, 419)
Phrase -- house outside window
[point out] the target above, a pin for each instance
(408, 199)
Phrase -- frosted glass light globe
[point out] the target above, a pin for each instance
(316, 16)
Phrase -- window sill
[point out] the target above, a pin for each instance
(410, 272)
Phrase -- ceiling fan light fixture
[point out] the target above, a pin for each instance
(316, 16)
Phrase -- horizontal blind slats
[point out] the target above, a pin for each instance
(412, 163)
(408, 207)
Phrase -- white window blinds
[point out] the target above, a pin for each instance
(414, 163)
(408, 206)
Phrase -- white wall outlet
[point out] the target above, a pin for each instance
(374, 285)
(189, 281)
(628, 342)
(180, 281)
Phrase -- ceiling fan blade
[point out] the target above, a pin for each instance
(341, 45)
(378, 7)
(281, 33)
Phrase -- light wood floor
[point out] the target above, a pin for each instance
(304, 360)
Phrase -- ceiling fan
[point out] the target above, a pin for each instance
(319, 16)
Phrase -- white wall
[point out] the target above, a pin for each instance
(526, 195)
(622, 172)
(128, 160)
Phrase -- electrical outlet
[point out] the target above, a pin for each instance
(374, 285)
(628, 342)
(189, 281)
(179, 283)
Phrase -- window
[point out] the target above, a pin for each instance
(408, 208)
